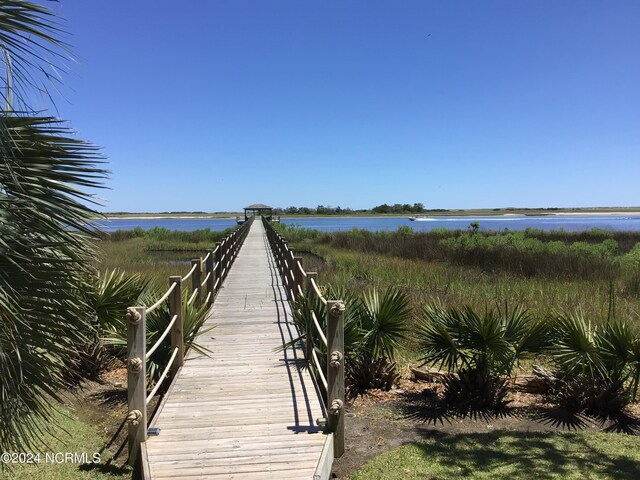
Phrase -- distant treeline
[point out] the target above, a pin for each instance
(178, 212)
(384, 208)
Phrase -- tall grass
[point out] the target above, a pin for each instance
(156, 253)
(545, 272)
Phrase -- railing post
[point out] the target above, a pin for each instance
(177, 331)
(284, 269)
(224, 257)
(308, 291)
(217, 266)
(136, 379)
(195, 280)
(236, 244)
(335, 374)
(297, 274)
(211, 278)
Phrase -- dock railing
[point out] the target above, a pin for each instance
(299, 283)
(202, 291)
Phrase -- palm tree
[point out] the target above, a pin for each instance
(45, 227)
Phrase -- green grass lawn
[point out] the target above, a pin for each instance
(510, 455)
(71, 436)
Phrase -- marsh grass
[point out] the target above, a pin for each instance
(590, 254)
(157, 253)
(140, 255)
(580, 271)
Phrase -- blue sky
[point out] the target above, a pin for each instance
(213, 105)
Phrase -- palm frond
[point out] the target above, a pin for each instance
(33, 52)
(576, 350)
(113, 293)
(438, 338)
(615, 341)
(384, 321)
(45, 255)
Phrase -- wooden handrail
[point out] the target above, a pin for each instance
(298, 283)
(193, 296)
(316, 290)
(318, 328)
(137, 354)
(206, 279)
(162, 299)
(188, 275)
(320, 373)
(166, 332)
(163, 376)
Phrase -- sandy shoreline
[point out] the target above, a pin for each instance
(601, 214)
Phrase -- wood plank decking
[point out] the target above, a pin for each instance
(246, 411)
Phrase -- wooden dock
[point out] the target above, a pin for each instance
(246, 411)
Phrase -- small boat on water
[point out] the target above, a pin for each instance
(421, 218)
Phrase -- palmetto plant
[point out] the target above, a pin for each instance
(599, 363)
(383, 322)
(456, 338)
(115, 291)
(374, 329)
(302, 317)
(45, 222)
(476, 349)
(109, 295)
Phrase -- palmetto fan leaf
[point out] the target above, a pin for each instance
(462, 338)
(113, 292)
(32, 52)
(438, 338)
(384, 321)
(484, 337)
(44, 254)
(615, 340)
(576, 350)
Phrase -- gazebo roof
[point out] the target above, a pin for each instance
(258, 206)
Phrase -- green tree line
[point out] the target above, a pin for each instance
(397, 208)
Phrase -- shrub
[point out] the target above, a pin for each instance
(474, 390)
(364, 373)
(117, 291)
(593, 396)
(599, 364)
(375, 328)
(475, 349)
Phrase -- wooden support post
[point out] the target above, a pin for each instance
(136, 379)
(177, 331)
(236, 244)
(276, 248)
(297, 274)
(196, 279)
(217, 267)
(212, 276)
(335, 374)
(285, 266)
(225, 256)
(310, 327)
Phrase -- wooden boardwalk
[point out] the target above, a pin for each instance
(246, 411)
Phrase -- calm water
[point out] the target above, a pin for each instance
(569, 223)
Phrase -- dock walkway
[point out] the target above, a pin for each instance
(246, 411)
